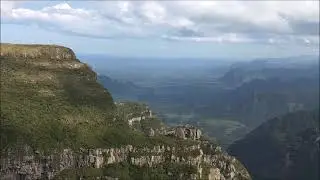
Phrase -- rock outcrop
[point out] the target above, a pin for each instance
(208, 160)
(141, 112)
(185, 132)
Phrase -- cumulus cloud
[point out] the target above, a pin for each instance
(203, 21)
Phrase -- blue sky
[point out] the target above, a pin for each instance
(205, 29)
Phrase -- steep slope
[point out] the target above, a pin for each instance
(50, 98)
(57, 122)
(258, 100)
(282, 148)
(266, 88)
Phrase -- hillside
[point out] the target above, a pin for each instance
(232, 113)
(282, 148)
(49, 98)
(58, 122)
(260, 99)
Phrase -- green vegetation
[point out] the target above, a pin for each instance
(51, 101)
(127, 110)
(226, 131)
(164, 171)
(151, 123)
(75, 174)
(48, 106)
(287, 139)
(125, 171)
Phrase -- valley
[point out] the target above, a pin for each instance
(159, 90)
(172, 125)
(226, 99)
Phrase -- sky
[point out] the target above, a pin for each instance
(193, 29)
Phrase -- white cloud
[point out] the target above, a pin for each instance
(215, 21)
(229, 38)
(6, 7)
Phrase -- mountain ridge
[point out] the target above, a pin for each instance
(284, 147)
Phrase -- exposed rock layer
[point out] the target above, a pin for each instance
(209, 161)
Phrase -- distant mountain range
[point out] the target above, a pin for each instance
(285, 62)
(281, 68)
(260, 99)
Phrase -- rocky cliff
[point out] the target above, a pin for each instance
(57, 122)
(207, 161)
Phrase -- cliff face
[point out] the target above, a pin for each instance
(57, 121)
(207, 161)
(185, 132)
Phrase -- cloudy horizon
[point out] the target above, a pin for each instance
(243, 29)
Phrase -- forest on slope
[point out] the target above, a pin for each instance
(284, 147)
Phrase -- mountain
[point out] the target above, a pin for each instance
(58, 122)
(282, 148)
(251, 92)
(281, 68)
(294, 62)
(261, 99)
